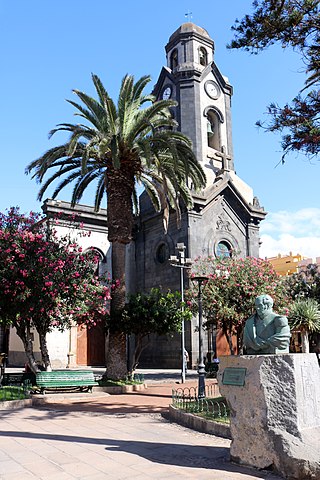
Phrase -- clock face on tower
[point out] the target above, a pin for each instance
(166, 94)
(212, 89)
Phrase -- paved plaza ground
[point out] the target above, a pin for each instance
(101, 436)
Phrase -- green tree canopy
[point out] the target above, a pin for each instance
(304, 284)
(295, 24)
(230, 292)
(152, 313)
(304, 316)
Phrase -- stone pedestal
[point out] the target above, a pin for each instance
(275, 412)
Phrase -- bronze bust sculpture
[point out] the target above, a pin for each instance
(266, 332)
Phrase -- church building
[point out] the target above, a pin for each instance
(226, 215)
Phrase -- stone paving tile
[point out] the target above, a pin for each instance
(113, 441)
(60, 458)
(4, 456)
(81, 469)
(22, 475)
(25, 456)
(44, 466)
(62, 476)
(10, 466)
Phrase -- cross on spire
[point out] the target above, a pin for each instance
(188, 15)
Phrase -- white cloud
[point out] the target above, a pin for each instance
(297, 232)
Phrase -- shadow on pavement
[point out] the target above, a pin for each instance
(176, 454)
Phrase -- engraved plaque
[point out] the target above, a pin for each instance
(234, 376)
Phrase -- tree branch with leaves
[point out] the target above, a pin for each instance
(293, 24)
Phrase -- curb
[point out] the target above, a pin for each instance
(118, 389)
(16, 404)
(199, 424)
(40, 399)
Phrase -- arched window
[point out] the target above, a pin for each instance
(174, 59)
(162, 253)
(102, 261)
(203, 56)
(213, 129)
(223, 250)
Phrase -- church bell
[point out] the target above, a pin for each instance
(210, 132)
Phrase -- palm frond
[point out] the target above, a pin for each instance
(94, 107)
(101, 91)
(100, 191)
(140, 139)
(139, 86)
(81, 185)
(59, 173)
(304, 314)
(87, 114)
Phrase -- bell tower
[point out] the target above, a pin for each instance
(204, 97)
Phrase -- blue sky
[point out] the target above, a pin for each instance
(48, 47)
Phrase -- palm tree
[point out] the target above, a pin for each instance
(304, 315)
(118, 147)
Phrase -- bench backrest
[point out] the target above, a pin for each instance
(61, 377)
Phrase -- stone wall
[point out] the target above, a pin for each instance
(275, 415)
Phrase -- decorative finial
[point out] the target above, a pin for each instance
(188, 15)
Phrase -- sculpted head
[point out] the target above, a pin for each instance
(263, 304)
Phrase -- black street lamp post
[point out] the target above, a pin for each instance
(201, 366)
(183, 263)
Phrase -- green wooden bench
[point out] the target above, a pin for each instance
(66, 379)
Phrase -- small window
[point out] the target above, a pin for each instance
(224, 250)
(174, 59)
(203, 56)
(162, 253)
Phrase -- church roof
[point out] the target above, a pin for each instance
(188, 28)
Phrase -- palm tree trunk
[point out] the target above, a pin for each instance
(120, 185)
(117, 348)
(304, 341)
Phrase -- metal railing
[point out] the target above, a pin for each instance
(213, 406)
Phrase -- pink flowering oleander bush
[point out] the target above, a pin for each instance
(46, 282)
(230, 291)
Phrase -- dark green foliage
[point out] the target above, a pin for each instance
(295, 24)
(305, 284)
(305, 315)
(152, 313)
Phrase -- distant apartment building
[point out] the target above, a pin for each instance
(289, 264)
